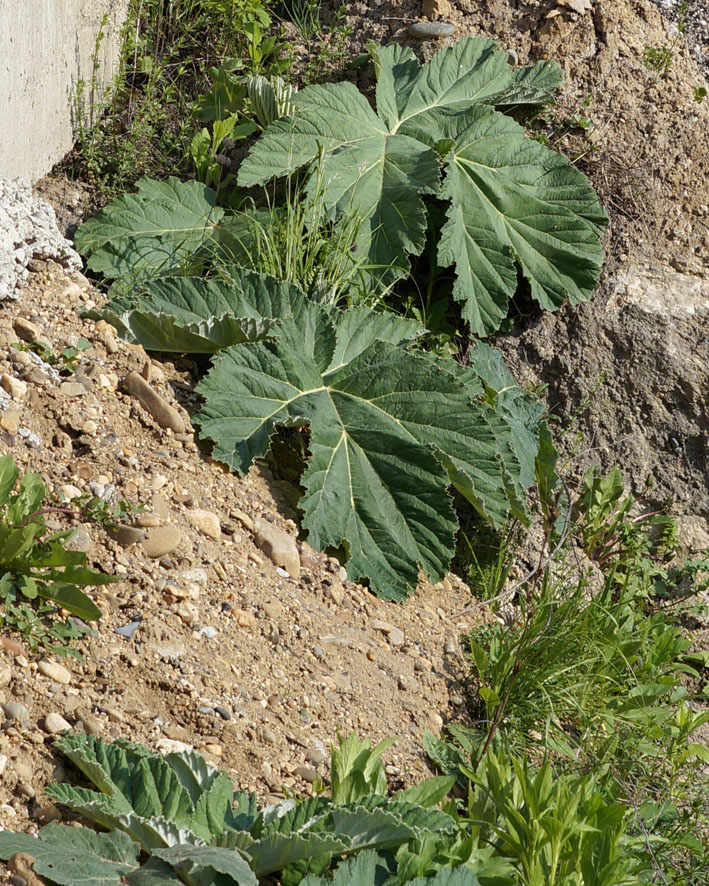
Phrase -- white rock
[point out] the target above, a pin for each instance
(16, 388)
(55, 724)
(3, 763)
(207, 522)
(171, 746)
(54, 671)
(28, 229)
(69, 491)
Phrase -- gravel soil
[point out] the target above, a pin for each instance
(220, 648)
(226, 652)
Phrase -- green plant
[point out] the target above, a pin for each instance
(659, 58)
(329, 47)
(388, 428)
(65, 362)
(38, 575)
(141, 124)
(593, 676)
(545, 826)
(513, 205)
(176, 819)
(153, 232)
(700, 93)
(294, 241)
(304, 14)
(205, 150)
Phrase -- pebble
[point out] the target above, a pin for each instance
(336, 592)
(54, 671)
(394, 635)
(170, 746)
(214, 749)
(12, 646)
(273, 609)
(244, 618)
(207, 523)
(161, 540)
(13, 710)
(306, 773)
(243, 518)
(26, 330)
(223, 712)
(126, 535)
(278, 546)
(69, 491)
(314, 756)
(164, 414)
(187, 612)
(72, 389)
(129, 630)
(266, 735)
(457, 700)
(79, 540)
(3, 763)
(160, 507)
(5, 674)
(431, 30)
(55, 724)
(10, 421)
(91, 725)
(449, 647)
(207, 631)
(15, 388)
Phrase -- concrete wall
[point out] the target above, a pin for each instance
(46, 47)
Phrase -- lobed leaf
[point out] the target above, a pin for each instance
(515, 205)
(387, 436)
(75, 856)
(149, 233)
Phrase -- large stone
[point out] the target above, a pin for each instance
(278, 546)
(55, 724)
(54, 671)
(207, 522)
(164, 414)
(632, 365)
(431, 30)
(161, 540)
(16, 388)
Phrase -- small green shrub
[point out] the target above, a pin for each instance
(38, 575)
(141, 124)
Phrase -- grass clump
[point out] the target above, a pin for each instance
(589, 673)
(142, 123)
(41, 580)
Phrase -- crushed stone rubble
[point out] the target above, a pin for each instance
(28, 234)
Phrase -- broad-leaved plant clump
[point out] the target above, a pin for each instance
(389, 428)
(38, 574)
(515, 207)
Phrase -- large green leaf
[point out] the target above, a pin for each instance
(193, 315)
(149, 233)
(75, 857)
(365, 869)
(160, 801)
(515, 203)
(389, 431)
(190, 859)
